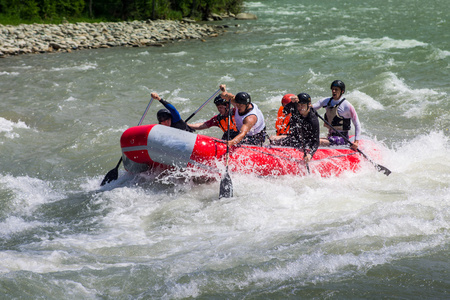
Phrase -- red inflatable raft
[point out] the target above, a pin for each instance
(160, 147)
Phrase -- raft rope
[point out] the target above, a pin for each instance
(286, 157)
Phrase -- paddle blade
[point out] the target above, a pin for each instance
(380, 168)
(110, 176)
(226, 186)
(385, 170)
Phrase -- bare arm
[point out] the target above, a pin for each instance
(226, 95)
(249, 122)
(199, 126)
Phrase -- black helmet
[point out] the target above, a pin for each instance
(220, 101)
(304, 98)
(163, 114)
(339, 84)
(242, 98)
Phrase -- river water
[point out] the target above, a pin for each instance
(360, 235)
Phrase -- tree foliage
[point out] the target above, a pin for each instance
(41, 9)
(114, 10)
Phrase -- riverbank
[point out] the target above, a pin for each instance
(45, 38)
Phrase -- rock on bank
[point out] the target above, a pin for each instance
(42, 38)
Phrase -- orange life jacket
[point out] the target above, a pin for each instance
(223, 123)
(282, 122)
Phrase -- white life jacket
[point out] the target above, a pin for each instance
(258, 127)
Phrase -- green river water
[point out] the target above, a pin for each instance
(357, 236)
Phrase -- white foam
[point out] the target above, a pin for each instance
(370, 44)
(308, 228)
(45, 261)
(237, 61)
(413, 101)
(227, 78)
(70, 99)
(9, 73)
(411, 157)
(82, 67)
(13, 225)
(276, 101)
(181, 53)
(9, 127)
(281, 12)
(28, 192)
(362, 99)
(438, 54)
(254, 4)
(6, 125)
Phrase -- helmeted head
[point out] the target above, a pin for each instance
(220, 101)
(242, 98)
(338, 83)
(163, 115)
(304, 98)
(286, 99)
(304, 103)
(222, 105)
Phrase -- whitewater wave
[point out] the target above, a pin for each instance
(82, 67)
(370, 44)
(8, 127)
(9, 73)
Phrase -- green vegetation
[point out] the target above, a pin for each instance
(55, 11)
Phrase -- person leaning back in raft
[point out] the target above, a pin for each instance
(169, 116)
(249, 119)
(339, 113)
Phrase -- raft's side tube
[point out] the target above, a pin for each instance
(142, 146)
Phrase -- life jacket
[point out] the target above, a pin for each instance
(282, 122)
(260, 124)
(338, 122)
(222, 122)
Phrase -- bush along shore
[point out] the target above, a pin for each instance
(67, 37)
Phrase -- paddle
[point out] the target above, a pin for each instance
(226, 186)
(114, 173)
(380, 168)
(198, 109)
(307, 168)
(304, 148)
(306, 164)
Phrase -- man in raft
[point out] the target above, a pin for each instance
(220, 120)
(339, 113)
(304, 127)
(249, 119)
(169, 116)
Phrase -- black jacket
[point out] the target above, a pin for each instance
(304, 132)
